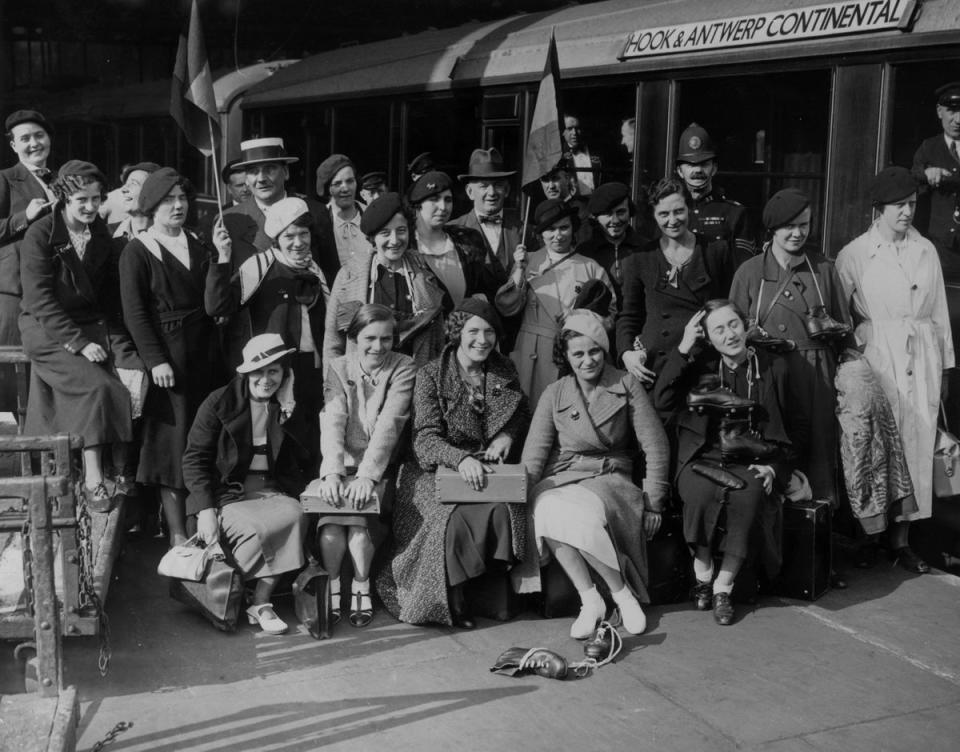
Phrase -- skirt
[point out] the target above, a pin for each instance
(264, 531)
(477, 540)
(574, 515)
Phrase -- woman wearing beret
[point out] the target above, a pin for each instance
(163, 274)
(545, 287)
(779, 290)
(280, 290)
(86, 377)
(668, 282)
(245, 464)
(337, 185)
(366, 405)
(468, 411)
(134, 221)
(893, 278)
(731, 470)
(457, 255)
(392, 275)
(580, 453)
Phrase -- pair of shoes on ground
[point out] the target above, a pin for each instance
(907, 558)
(264, 615)
(594, 609)
(361, 605)
(705, 599)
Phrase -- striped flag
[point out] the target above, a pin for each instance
(192, 102)
(545, 144)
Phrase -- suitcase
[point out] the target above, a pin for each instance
(218, 597)
(311, 601)
(805, 573)
(507, 483)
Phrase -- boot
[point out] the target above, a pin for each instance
(759, 337)
(822, 326)
(737, 444)
(591, 613)
(717, 398)
(634, 620)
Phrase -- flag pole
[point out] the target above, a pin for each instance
(216, 170)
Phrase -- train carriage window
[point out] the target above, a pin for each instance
(362, 132)
(770, 132)
(447, 127)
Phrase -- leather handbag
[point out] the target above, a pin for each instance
(504, 482)
(311, 600)
(946, 462)
(218, 597)
(188, 561)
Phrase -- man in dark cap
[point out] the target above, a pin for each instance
(235, 181)
(936, 166)
(25, 196)
(487, 186)
(420, 165)
(712, 215)
(266, 164)
(372, 186)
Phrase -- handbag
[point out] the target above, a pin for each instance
(504, 482)
(188, 561)
(218, 596)
(946, 462)
(311, 600)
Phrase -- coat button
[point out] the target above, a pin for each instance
(533, 356)
(913, 287)
(782, 327)
(665, 315)
(909, 372)
(787, 294)
(665, 333)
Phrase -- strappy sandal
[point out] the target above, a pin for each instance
(361, 606)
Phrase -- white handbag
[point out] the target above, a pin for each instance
(188, 561)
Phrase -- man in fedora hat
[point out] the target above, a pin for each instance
(712, 214)
(487, 186)
(25, 196)
(266, 164)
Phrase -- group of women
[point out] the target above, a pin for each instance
(124, 339)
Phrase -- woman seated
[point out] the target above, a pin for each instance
(731, 465)
(86, 374)
(366, 406)
(245, 465)
(580, 453)
(469, 410)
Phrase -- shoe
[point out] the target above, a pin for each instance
(458, 611)
(125, 485)
(737, 444)
(99, 498)
(264, 615)
(538, 661)
(361, 607)
(600, 646)
(334, 599)
(631, 612)
(717, 398)
(722, 609)
(822, 326)
(908, 560)
(759, 337)
(591, 613)
(702, 594)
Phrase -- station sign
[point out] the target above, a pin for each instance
(772, 27)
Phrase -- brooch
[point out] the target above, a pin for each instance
(575, 415)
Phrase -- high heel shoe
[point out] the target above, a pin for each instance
(264, 615)
(361, 606)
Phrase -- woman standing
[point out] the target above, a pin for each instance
(71, 327)
(392, 276)
(545, 287)
(457, 255)
(468, 411)
(245, 464)
(781, 291)
(366, 406)
(163, 273)
(667, 282)
(134, 222)
(579, 453)
(893, 278)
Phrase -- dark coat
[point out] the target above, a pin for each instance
(938, 202)
(446, 430)
(613, 258)
(220, 449)
(657, 311)
(510, 234)
(482, 274)
(163, 307)
(18, 187)
(715, 217)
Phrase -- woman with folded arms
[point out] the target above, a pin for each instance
(366, 406)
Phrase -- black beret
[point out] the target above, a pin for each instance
(430, 184)
(156, 187)
(79, 168)
(948, 95)
(421, 163)
(380, 211)
(783, 206)
(481, 308)
(27, 116)
(143, 166)
(892, 184)
(328, 170)
(550, 211)
(607, 196)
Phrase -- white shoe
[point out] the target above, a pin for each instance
(264, 615)
(634, 620)
(591, 613)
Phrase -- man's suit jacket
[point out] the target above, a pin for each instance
(244, 223)
(943, 200)
(510, 235)
(18, 187)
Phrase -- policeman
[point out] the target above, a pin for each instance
(712, 215)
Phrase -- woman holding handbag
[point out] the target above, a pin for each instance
(579, 454)
(893, 278)
(469, 411)
(367, 397)
(246, 462)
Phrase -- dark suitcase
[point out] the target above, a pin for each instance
(560, 597)
(311, 601)
(218, 598)
(805, 573)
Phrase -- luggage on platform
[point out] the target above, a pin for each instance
(805, 573)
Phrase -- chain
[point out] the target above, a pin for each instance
(27, 553)
(111, 735)
(88, 593)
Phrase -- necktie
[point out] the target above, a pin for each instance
(47, 177)
(491, 219)
(953, 151)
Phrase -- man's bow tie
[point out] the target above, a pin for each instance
(491, 219)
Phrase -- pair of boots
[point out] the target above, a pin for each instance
(361, 605)
(594, 609)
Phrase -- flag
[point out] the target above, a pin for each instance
(192, 102)
(545, 144)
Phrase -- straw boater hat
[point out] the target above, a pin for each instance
(261, 351)
(261, 150)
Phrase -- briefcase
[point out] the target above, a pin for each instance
(507, 483)
(311, 501)
(311, 600)
(805, 573)
(217, 597)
